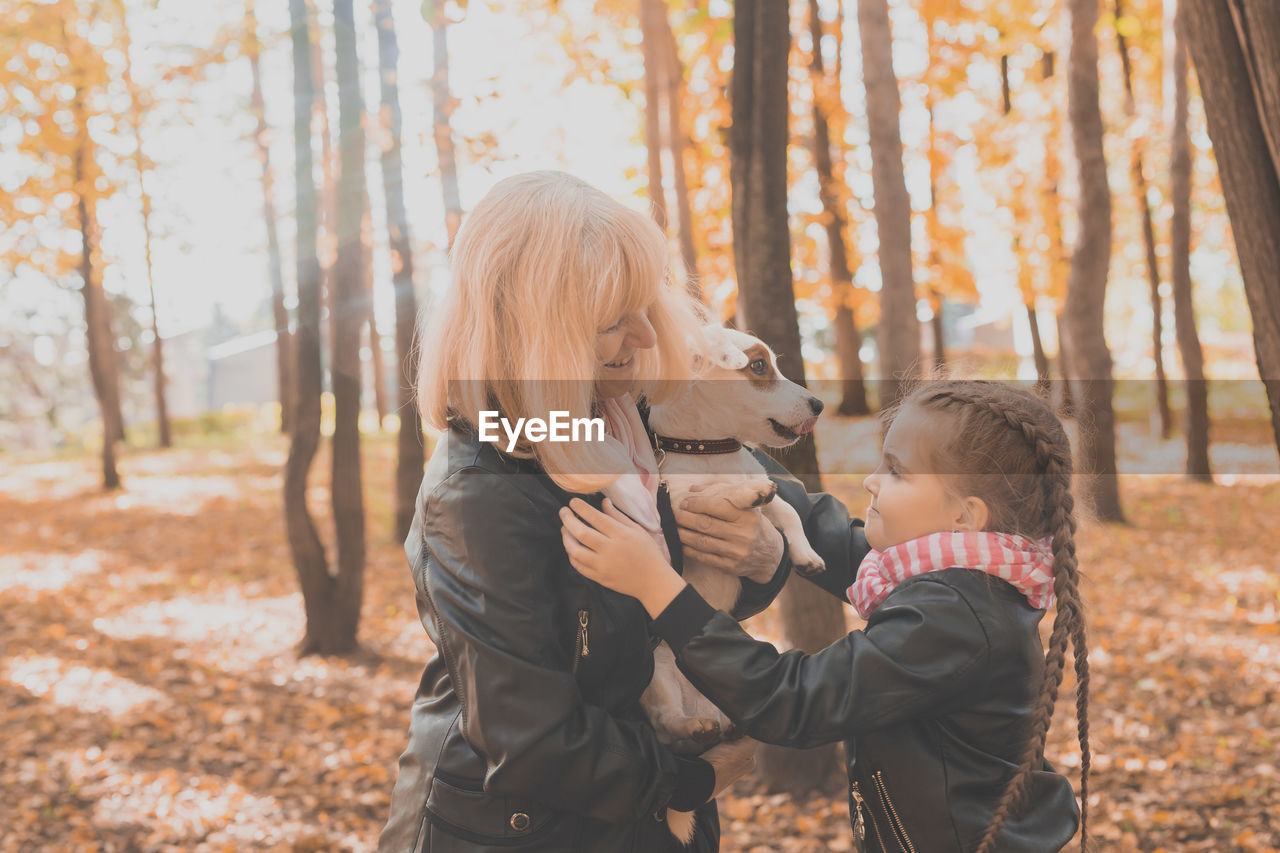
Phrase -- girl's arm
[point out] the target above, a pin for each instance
(920, 647)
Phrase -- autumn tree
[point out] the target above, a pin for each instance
(309, 559)
(762, 256)
(442, 110)
(1235, 45)
(137, 109)
(945, 266)
(57, 80)
(1196, 417)
(350, 307)
(275, 271)
(1137, 171)
(410, 453)
(834, 191)
(898, 339)
(1087, 285)
(664, 130)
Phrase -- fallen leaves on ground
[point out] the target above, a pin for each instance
(151, 699)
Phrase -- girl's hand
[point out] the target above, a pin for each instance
(716, 533)
(614, 551)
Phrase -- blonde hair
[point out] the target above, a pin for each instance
(540, 265)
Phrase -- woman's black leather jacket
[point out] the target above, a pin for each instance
(526, 732)
(931, 699)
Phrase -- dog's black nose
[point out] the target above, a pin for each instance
(816, 405)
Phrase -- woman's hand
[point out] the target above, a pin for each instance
(614, 551)
(716, 533)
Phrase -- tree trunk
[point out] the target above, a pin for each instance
(1197, 413)
(378, 366)
(164, 436)
(1052, 214)
(1066, 402)
(309, 558)
(375, 337)
(1037, 352)
(676, 144)
(350, 315)
(410, 455)
(939, 341)
(98, 344)
(442, 109)
(933, 232)
(98, 340)
(284, 339)
(1138, 171)
(655, 72)
(899, 333)
(1236, 50)
(1087, 285)
(853, 399)
(326, 239)
(762, 256)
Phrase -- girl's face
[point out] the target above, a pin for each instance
(908, 499)
(616, 348)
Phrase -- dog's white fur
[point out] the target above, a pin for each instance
(723, 403)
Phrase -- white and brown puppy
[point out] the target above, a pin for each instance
(739, 400)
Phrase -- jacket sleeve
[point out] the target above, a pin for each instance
(923, 645)
(841, 541)
(486, 566)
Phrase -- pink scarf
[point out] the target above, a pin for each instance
(634, 492)
(1026, 564)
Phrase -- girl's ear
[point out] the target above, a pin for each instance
(972, 515)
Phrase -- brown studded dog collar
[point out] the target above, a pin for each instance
(696, 446)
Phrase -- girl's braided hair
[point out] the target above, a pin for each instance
(1006, 446)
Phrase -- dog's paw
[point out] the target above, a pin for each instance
(805, 560)
(703, 730)
(765, 494)
(752, 493)
(681, 825)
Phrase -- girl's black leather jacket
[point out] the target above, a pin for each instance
(931, 699)
(526, 732)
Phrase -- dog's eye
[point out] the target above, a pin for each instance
(759, 367)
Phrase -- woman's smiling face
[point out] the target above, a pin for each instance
(616, 348)
(908, 498)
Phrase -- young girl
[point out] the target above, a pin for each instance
(944, 699)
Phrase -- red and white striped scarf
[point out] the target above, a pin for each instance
(1025, 563)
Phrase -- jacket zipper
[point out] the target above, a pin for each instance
(583, 648)
(895, 822)
(858, 825)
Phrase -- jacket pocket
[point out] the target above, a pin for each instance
(897, 829)
(461, 810)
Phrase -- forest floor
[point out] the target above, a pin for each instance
(150, 697)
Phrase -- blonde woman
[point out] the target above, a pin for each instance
(527, 732)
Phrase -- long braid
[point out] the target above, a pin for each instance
(1053, 462)
(1066, 568)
